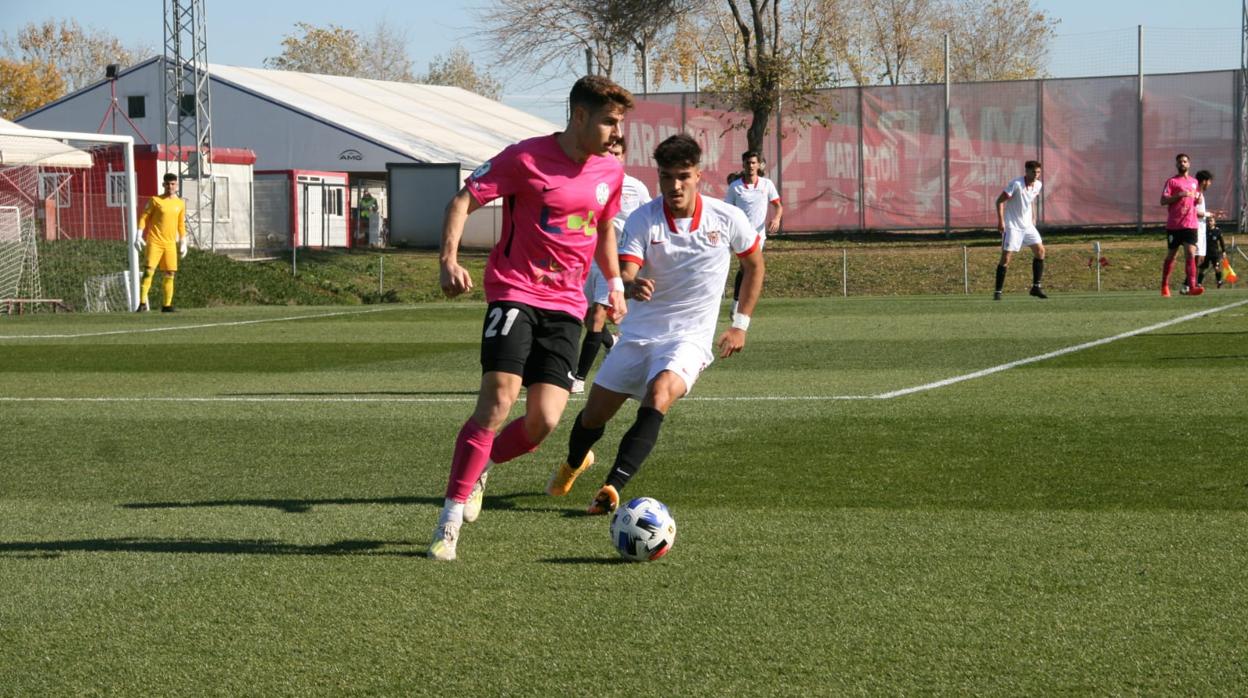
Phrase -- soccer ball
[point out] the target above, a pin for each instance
(643, 530)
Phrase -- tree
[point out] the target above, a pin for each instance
(77, 55)
(331, 50)
(26, 86)
(994, 40)
(457, 70)
(544, 34)
(750, 51)
(384, 54)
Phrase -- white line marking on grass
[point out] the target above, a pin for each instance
(233, 323)
(725, 398)
(1054, 354)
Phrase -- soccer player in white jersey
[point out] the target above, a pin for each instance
(1016, 219)
(633, 194)
(685, 242)
(757, 196)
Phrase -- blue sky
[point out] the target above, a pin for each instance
(1094, 36)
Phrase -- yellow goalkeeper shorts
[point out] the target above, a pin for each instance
(163, 256)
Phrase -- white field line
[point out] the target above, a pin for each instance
(175, 328)
(757, 398)
(1056, 353)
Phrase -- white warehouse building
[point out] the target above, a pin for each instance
(410, 145)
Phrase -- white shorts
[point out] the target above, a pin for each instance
(632, 364)
(1016, 238)
(596, 290)
(1200, 239)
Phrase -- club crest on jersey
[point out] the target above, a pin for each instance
(712, 238)
(482, 170)
(602, 191)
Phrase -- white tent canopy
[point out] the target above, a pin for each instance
(25, 150)
(429, 123)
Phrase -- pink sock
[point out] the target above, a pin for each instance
(1166, 268)
(512, 442)
(472, 450)
(1191, 271)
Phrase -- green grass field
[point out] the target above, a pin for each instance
(233, 501)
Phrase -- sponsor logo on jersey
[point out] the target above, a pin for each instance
(482, 170)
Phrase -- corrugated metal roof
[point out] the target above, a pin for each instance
(431, 123)
(25, 150)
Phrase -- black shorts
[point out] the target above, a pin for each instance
(540, 346)
(1175, 238)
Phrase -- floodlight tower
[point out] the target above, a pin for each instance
(188, 113)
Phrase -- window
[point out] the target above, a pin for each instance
(116, 184)
(186, 106)
(221, 199)
(136, 106)
(54, 184)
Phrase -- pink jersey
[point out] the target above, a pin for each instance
(550, 221)
(1182, 213)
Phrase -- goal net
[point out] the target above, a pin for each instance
(67, 221)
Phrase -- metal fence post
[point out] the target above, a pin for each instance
(844, 272)
(381, 274)
(966, 272)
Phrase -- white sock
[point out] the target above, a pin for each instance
(452, 513)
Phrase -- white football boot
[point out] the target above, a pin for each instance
(445, 537)
(472, 507)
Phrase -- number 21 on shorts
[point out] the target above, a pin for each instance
(496, 315)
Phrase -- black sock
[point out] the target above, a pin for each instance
(1000, 277)
(608, 340)
(736, 285)
(635, 446)
(1037, 271)
(581, 440)
(589, 352)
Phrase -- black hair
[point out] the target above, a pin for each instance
(170, 177)
(1204, 176)
(680, 150)
(1033, 165)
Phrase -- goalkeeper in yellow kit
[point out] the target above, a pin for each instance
(164, 234)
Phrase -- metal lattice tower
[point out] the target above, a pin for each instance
(188, 112)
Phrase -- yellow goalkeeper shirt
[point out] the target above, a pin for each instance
(164, 220)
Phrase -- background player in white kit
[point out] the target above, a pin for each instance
(756, 196)
(685, 241)
(633, 194)
(1016, 219)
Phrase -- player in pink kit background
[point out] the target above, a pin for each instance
(1180, 195)
(560, 193)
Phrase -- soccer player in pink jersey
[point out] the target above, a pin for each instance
(1180, 195)
(686, 242)
(560, 193)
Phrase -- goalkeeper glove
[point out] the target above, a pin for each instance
(182, 248)
(139, 242)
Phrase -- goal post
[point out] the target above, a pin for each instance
(68, 219)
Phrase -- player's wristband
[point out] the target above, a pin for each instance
(741, 322)
(615, 283)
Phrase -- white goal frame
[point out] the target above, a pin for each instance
(131, 204)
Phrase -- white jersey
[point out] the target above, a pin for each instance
(688, 260)
(753, 199)
(1203, 226)
(632, 195)
(1018, 211)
